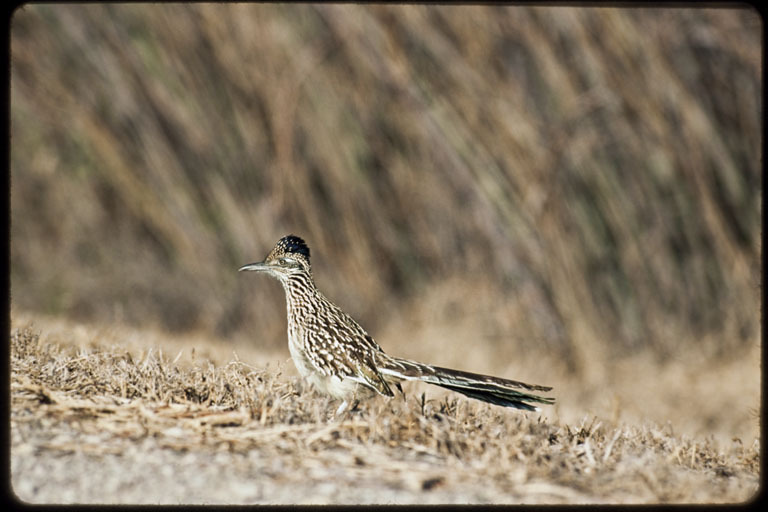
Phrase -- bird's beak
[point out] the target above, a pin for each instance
(256, 267)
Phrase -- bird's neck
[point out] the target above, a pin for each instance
(300, 290)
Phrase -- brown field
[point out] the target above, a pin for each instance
(567, 196)
(113, 415)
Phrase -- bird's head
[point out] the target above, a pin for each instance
(289, 256)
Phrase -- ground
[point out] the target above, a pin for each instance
(108, 415)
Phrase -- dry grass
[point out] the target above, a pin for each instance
(100, 418)
(563, 195)
(595, 173)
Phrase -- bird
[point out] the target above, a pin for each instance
(334, 353)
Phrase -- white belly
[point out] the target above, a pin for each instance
(331, 385)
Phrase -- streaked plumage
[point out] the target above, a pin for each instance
(332, 351)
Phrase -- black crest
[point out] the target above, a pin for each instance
(294, 244)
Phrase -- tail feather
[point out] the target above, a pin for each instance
(520, 402)
(494, 390)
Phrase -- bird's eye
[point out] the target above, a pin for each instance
(287, 261)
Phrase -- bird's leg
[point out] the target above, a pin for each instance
(341, 408)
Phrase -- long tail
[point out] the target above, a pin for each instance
(489, 389)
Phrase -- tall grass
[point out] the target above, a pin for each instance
(590, 177)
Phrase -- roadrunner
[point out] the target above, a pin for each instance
(335, 354)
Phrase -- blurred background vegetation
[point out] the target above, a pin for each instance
(585, 182)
